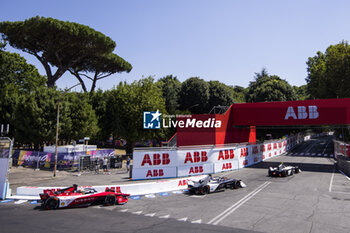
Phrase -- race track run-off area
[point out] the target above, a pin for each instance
(315, 200)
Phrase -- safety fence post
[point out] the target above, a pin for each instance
(37, 162)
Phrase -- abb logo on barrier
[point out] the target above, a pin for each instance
(195, 170)
(244, 152)
(229, 154)
(262, 148)
(226, 166)
(155, 173)
(302, 113)
(182, 183)
(197, 157)
(156, 159)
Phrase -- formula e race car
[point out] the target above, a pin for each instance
(283, 171)
(208, 184)
(74, 197)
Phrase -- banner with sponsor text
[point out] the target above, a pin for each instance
(180, 162)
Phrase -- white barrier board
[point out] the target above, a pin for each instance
(153, 173)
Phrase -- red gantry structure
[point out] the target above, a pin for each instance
(238, 123)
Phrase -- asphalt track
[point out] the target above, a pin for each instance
(316, 200)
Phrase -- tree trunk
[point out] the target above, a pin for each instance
(129, 147)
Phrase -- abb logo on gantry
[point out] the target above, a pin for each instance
(312, 113)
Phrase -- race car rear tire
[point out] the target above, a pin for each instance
(297, 170)
(270, 172)
(110, 200)
(204, 190)
(51, 203)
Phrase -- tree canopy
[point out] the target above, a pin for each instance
(17, 78)
(170, 87)
(194, 95)
(219, 94)
(269, 88)
(101, 66)
(329, 72)
(126, 104)
(64, 45)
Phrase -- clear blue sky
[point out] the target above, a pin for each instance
(216, 40)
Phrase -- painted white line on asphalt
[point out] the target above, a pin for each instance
(197, 221)
(325, 155)
(137, 212)
(344, 174)
(20, 201)
(182, 219)
(165, 216)
(330, 184)
(301, 153)
(150, 215)
(307, 153)
(112, 208)
(340, 192)
(124, 210)
(313, 153)
(235, 206)
(325, 147)
(197, 196)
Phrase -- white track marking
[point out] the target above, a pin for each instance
(165, 216)
(197, 221)
(235, 206)
(340, 192)
(325, 148)
(330, 184)
(137, 212)
(344, 175)
(20, 201)
(197, 196)
(124, 210)
(182, 219)
(150, 215)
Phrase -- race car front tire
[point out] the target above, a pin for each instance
(110, 200)
(51, 203)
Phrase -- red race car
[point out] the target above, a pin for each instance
(74, 197)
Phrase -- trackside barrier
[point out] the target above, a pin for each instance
(341, 149)
(132, 189)
(199, 160)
